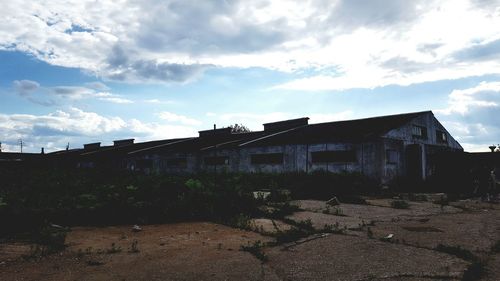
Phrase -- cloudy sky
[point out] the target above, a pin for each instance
(85, 71)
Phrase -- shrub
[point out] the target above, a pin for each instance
(114, 249)
(134, 248)
(293, 234)
(281, 210)
(400, 204)
(241, 221)
(256, 250)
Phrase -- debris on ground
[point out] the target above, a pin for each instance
(136, 228)
(333, 201)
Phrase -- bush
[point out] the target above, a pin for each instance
(256, 250)
(400, 204)
(31, 197)
(293, 234)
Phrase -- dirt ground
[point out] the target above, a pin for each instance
(208, 251)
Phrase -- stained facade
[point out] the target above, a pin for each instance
(384, 148)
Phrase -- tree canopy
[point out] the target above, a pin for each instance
(239, 128)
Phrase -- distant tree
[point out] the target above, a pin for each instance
(494, 148)
(239, 128)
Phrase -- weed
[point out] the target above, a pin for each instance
(338, 211)
(88, 251)
(114, 249)
(48, 240)
(400, 204)
(241, 221)
(256, 250)
(36, 253)
(369, 233)
(94, 263)
(443, 201)
(134, 248)
(282, 210)
(334, 228)
(293, 234)
(305, 224)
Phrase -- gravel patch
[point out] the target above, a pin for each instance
(341, 257)
(319, 220)
(476, 232)
(269, 226)
(184, 251)
(381, 212)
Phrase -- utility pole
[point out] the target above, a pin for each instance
(0, 146)
(215, 159)
(21, 143)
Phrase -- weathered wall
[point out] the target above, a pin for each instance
(428, 144)
(391, 169)
(336, 167)
(245, 164)
(432, 124)
(371, 157)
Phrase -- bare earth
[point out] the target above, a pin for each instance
(208, 251)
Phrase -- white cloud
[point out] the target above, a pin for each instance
(53, 131)
(157, 101)
(25, 87)
(486, 94)
(99, 86)
(172, 117)
(52, 95)
(254, 121)
(347, 44)
(116, 100)
(472, 115)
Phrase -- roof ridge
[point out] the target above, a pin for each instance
(375, 117)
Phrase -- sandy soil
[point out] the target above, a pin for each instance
(187, 251)
(342, 257)
(208, 251)
(476, 232)
(269, 226)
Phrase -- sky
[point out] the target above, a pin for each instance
(75, 72)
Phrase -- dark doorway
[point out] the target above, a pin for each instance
(414, 162)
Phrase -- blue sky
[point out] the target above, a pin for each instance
(78, 72)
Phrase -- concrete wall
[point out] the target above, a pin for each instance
(404, 136)
(336, 167)
(371, 158)
(245, 165)
(432, 124)
(298, 158)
